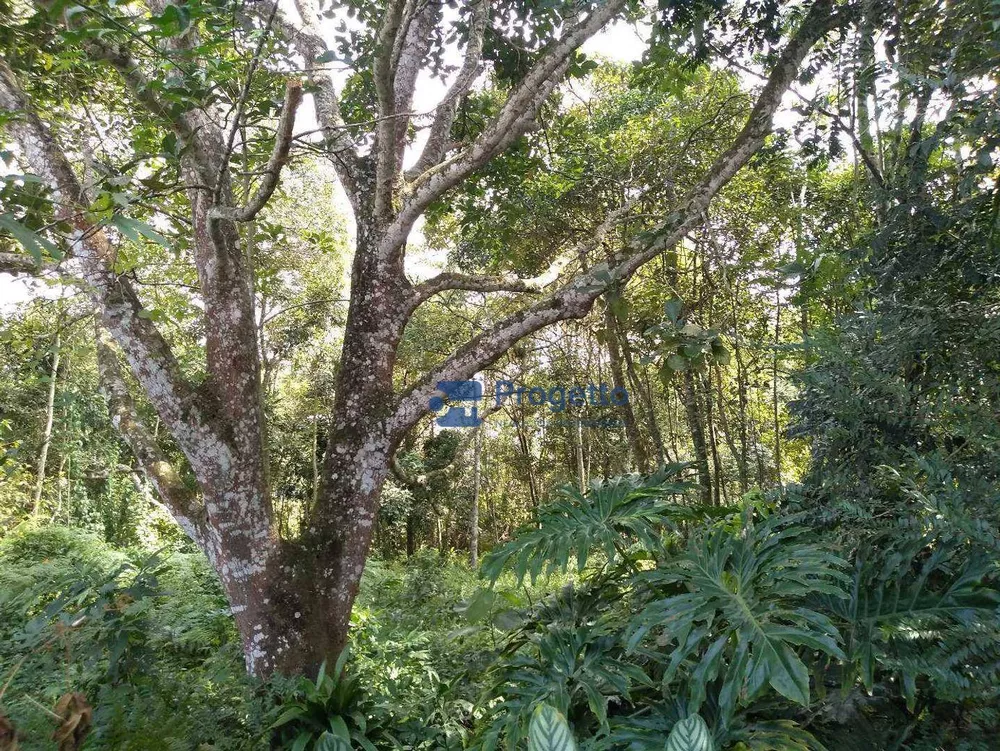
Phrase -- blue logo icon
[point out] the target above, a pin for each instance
(458, 416)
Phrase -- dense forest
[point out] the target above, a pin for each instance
(500, 374)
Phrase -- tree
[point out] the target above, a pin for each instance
(178, 76)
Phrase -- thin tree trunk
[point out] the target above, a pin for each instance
(725, 425)
(43, 453)
(411, 534)
(646, 399)
(774, 386)
(315, 459)
(713, 440)
(743, 457)
(689, 397)
(612, 334)
(474, 512)
(522, 440)
(59, 489)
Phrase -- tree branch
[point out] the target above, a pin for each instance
(241, 104)
(181, 502)
(185, 125)
(575, 299)
(278, 159)
(148, 353)
(517, 113)
(309, 39)
(385, 130)
(444, 116)
(400, 473)
(448, 280)
(417, 39)
(18, 263)
(473, 283)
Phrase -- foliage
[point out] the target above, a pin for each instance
(742, 611)
(549, 731)
(831, 320)
(324, 714)
(606, 520)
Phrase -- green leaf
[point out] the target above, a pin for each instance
(173, 20)
(364, 743)
(549, 731)
(690, 734)
(338, 666)
(135, 230)
(788, 674)
(321, 675)
(720, 353)
(672, 309)
(290, 714)
(677, 362)
(331, 742)
(339, 728)
(665, 374)
(479, 605)
(30, 240)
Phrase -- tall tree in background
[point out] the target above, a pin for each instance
(178, 77)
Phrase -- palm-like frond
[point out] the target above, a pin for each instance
(607, 519)
(922, 607)
(744, 613)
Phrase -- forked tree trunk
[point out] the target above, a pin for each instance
(300, 613)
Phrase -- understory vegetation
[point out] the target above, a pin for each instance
(626, 613)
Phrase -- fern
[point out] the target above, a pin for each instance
(921, 608)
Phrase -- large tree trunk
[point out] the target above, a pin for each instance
(309, 604)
